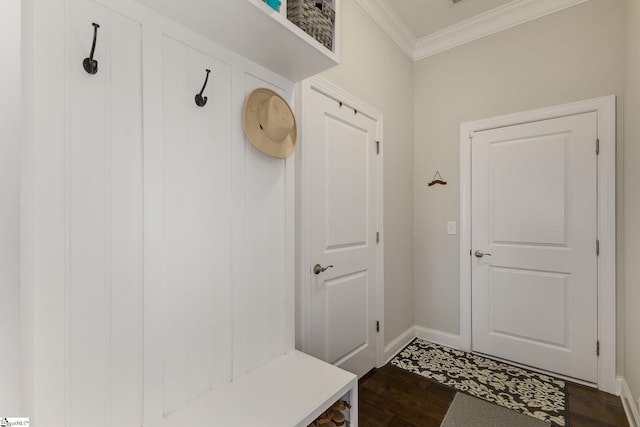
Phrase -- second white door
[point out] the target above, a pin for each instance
(534, 233)
(343, 171)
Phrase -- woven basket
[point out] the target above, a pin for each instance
(318, 23)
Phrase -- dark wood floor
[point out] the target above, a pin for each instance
(391, 396)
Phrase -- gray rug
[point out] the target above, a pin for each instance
(467, 411)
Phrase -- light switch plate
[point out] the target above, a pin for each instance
(451, 227)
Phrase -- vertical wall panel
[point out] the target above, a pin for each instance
(214, 303)
(176, 197)
(201, 231)
(197, 280)
(88, 293)
(126, 212)
(220, 107)
(105, 221)
(259, 303)
(209, 326)
(43, 210)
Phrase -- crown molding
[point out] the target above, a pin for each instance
(387, 18)
(501, 18)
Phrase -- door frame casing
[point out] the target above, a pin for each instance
(605, 108)
(303, 209)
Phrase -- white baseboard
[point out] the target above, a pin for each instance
(630, 407)
(394, 347)
(439, 337)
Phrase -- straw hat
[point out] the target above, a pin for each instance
(269, 123)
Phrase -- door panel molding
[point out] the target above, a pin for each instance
(605, 108)
(304, 91)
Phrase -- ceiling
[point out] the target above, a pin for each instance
(424, 28)
(424, 17)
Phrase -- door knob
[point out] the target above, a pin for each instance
(480, 254)
(317, 269)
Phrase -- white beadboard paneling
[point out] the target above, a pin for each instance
(209, 231)
(105, 221)
(126, 216)
(201, 233)
(259, 296)
(194, 212)
(219, 109)
(197, 285)
(44, 240)
(175, 287)
(220, 261)
(88, 293)
(153, 225)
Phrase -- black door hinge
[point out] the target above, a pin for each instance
(377, 147)
(597, 146)
(598, 348)
(597, 247)
(377, 326)
(377, 237)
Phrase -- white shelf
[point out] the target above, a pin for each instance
(289, 391)
(254, 30)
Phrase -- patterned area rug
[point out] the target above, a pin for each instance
(539, 396)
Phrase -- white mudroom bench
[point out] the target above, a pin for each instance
(289, 391)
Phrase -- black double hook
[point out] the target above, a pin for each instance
(91, 65)
(201, 101)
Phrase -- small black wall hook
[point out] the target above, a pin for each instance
(201, 101)
(91, 65)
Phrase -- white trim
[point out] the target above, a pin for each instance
(303, 182)
(439, 337)
(290, 248)
(301, 242)
(392, 24)
(607, 236)
(332, 91)
(629, 405)
(605, 108)
(501, 18)
(495, 20)
(380, 360)
(400, 342)
(465, 237)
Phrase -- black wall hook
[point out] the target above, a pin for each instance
(91, 65)
(201, 101)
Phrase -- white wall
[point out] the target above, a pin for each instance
(9, 208)
(632, 198)
(374, 69)
(571, 55)
(149, 276)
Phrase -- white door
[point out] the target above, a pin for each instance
(534, 212)
(343, 170)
